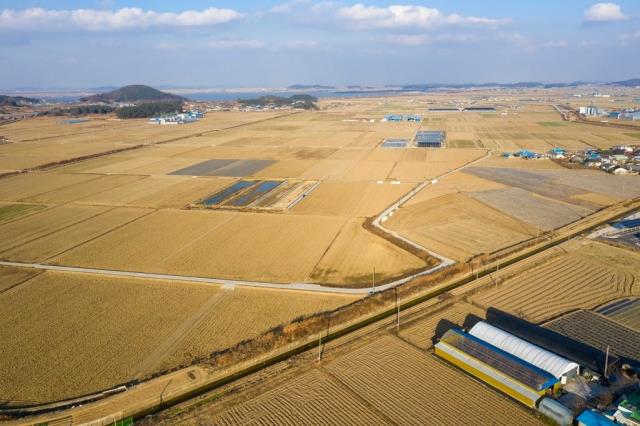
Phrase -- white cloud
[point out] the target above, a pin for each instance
(288, 6)
(407, 16)
(604, 12)
(111, 20)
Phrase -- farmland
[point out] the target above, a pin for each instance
(384, 382)
(575, 280)
(280, 199)
(103, 331)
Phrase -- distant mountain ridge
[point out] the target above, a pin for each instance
(133, 93)
(17, 101)
(633, 82)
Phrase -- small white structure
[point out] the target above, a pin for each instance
(548, 361)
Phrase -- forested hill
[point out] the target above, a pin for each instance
(133, 93)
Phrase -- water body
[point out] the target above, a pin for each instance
(233, 96)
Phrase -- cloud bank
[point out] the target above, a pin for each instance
(38, 19)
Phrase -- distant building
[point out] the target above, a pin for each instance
(402, 117)
(592, 111)
(630, 115)
(557, 153)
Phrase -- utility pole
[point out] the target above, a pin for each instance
(606, 363)
(397, 312)
(373, 280)
(320, 347)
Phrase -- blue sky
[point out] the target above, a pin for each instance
(190, 43)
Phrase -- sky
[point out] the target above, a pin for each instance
(204, 43)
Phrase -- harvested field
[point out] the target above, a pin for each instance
(409, 386)
(40, 141)
(364, 198)
(458, 226)
(9, 212)
(229, 168)
(43, 223)
(625, 312)
(11, 277)
(221, 327)
(422, 331)
(55, 243)
(311, 399)
(84, 189)
(157, 191)
(619, 187)
(454, 183)
(533, 209)
(249, 246)
(142, 245)
(15, 188)
(98, 329)
(564, 283)
(342, 264)
(600, 332)
(529, 181)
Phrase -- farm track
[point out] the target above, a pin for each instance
(155, 358)
(168, 390)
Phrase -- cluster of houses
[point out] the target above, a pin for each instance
(180, 118)
(619, 159)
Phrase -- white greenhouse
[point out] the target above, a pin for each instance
(541, 358)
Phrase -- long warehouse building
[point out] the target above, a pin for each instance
(511, 375)
(548, 361)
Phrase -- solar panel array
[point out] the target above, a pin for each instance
(429, 138)
(395, 143)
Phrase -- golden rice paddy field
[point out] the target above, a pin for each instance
(459, 226)
(45, 140)
(588, 277)
(141, 210)
(80, 333)
(384, 382)
(396, 380)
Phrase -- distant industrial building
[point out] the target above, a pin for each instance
(429, 138)
(592, 111)
(396, 118)
(445, 109)
(479, 109)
